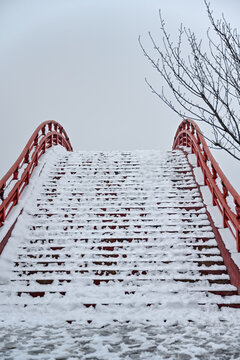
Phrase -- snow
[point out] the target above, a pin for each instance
(143, 208)
(211, 339)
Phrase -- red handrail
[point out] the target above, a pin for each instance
(188, 134)
(47, 134)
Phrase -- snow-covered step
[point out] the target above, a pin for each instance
(70, 274)
(131, 255)
(67, 286)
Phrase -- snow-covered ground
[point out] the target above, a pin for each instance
(174, 340)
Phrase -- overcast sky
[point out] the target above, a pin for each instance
(79, 62)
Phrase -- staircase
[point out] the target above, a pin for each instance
(120, 233)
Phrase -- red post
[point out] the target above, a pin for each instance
(214, 177)
(27, 178)
(44, 147)
(192, 129)
(213, 197)
(36, 141)
(198, 160)
(205, 158)
(2, 192)
(204, 176)
(224, 218)
(214, 173)
(43, 131)
(237, 207)
(26, 159)
(225, 191)
(238, 240)
(16, 196)
(2, 216)
(36, 159)
(198, 139)
(15, 174)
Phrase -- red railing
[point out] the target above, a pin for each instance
(47, 134)
(223, 194)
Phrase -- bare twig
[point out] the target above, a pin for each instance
(206, 85)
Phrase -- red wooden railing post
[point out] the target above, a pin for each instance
(192, 129)
(198, 139)
(198, 160)
(2, 192)
(224, 194)
(2, 210)
(2, 216)
(214, 173)
(237, 207)
(214, 177)
(27, 178)
(26, 158)
(15, 174)
(238, 240)
(36, 141)
(16, 196)
(225, 190)
(44, 147)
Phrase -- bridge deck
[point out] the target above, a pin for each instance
(118, 235)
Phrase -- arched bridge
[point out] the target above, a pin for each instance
(127, 233)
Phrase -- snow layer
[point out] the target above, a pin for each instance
(166, 340)
(120, 244)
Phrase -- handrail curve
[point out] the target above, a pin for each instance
(46, 135)
(189, 135)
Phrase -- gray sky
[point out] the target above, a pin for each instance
(79, 62)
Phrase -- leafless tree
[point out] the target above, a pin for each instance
(206, 84)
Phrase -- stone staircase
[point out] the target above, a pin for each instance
(116, 231)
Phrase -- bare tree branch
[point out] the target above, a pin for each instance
(205, 84)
